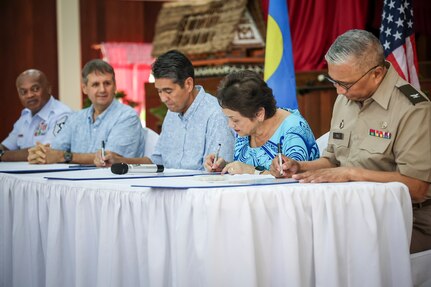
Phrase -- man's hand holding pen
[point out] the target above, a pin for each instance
(107, 159)
(103, 150)
(220, 165)
(213, 164)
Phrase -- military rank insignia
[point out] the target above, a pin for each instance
(380, 134)
(412, 94)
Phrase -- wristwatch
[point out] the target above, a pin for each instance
(1, 153)
(259, 170)
(67, 156)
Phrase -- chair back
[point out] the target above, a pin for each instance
(322, 142)
(421, 268)
(151, 138)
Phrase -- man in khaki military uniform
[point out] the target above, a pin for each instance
(380, 129)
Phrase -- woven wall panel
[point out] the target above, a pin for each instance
(197, 28)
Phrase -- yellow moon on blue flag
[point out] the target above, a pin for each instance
(274, 48)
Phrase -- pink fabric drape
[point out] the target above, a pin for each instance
(132, 65)
(315, 24)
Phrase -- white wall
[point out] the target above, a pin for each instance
(69, 53)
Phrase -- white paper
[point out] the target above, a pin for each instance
(213, 180)
(105, 173)
(24, 166)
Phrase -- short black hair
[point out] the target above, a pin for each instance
(246, 92)
(98, 66)
(173, 65)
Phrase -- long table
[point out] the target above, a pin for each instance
(107, 233)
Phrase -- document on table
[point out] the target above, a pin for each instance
(214, 180)
(105, 173)
(25, 167)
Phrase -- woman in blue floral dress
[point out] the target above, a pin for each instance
(261, 128)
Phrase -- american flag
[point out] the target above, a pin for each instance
(398, 39)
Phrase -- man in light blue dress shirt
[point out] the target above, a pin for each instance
(106, 122)
(41, 119)
(194, 125)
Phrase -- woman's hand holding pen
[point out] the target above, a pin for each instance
(288, 168)
(211, 165)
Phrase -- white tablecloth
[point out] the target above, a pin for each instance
(107, 233)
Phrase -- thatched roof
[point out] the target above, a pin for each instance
(201, 27)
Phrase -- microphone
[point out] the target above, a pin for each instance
(321, 78)
(123, 168)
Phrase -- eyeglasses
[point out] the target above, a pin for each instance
(345, 86)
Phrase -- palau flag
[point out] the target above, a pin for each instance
(279, 71)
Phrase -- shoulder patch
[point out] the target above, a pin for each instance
(59, 125)
(412, 94)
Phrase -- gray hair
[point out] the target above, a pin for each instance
(99, 66)
(359, 46)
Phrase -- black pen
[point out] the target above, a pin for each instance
(103, 149)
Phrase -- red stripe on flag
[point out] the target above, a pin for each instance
(412, 61)
(391, 58)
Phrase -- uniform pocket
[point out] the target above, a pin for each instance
(338, 142)
(374, 144)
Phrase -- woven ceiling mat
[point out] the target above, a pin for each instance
(197, 27)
